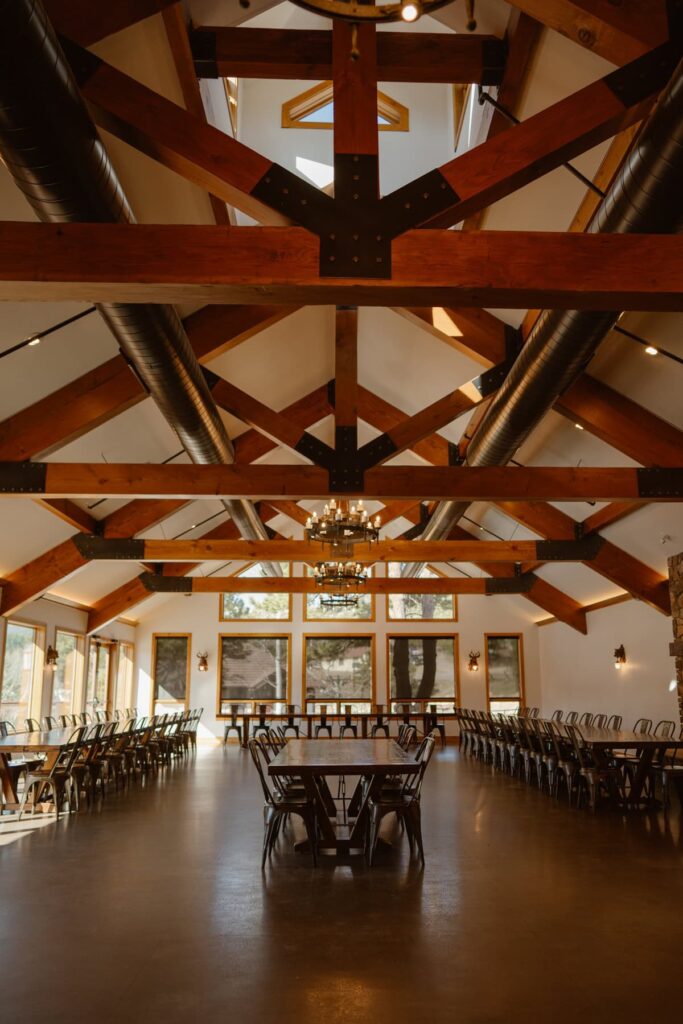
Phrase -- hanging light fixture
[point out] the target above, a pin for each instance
(51, 656)
(340, 576)
(338, 601)
(341, 526)
(380, 11)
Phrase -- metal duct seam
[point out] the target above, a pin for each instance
(56, 157)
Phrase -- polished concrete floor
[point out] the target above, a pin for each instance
(155, 910)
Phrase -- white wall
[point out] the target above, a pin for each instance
(53, 615)
(578, 672)
(198, 615)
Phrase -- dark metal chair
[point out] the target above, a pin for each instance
(232, 724)
(57, 779)
(404, 802)
(432, 722)
(292, 711)
(595, 777)
(323, 724)
(348, 725)
(379, 711)
(33, 725)
(262, 724)
(278, 805)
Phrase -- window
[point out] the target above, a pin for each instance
(314, 108)
(248, 607)
(504, 672)
(123, 693)
(315, 611)
(171, 667)
(67, 677)
(20, 689)
(253, 667)
(426, 607)
(423, 668)
(97, 683)
(339, 669)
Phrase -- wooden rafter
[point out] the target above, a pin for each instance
(179, 42)
(71, 513)
(307, 55)
(522, 37)
(346, 372)
(119, 263)
(86, 22)
(307, 585)
(464, 483)
(619, 32)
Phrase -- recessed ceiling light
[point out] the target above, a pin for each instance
(652, 351)
(578, 426)
(34, 341)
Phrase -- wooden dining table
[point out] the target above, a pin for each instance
(603, 741)
(313, 761)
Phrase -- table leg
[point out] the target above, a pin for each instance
(11, 799)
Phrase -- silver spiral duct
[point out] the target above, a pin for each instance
(646, 197)
(56, 157)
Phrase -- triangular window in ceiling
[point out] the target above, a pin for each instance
(314, 108)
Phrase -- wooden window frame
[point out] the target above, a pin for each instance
(35, 701)
(453, 597)
(128, 696)
(440, 634)
(305, 103)
(522, 681)
(340, 701)
(171, 703)
(254, 702)
(103, 641)
(312, 618)
(78, 692)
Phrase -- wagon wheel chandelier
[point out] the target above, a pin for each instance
(338, 601)
(340, 526)
(380, 12)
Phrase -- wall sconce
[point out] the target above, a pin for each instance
(473, 663)
(51, 656)
(203, 665)
(619, 656)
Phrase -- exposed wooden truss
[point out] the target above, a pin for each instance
(119, 263)
(86, 22)
(306, 585)
(497, 483)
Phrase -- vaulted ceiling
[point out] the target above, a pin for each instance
(408, 366)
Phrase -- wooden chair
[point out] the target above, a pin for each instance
(232, 724)
(278, 805)
(57, 779)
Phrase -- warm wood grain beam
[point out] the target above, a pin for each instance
(539, 144)
(206, 550)
(609, 514)
(465, 483)
(306, 585)
(112, 388)
(307, 55)
(120, 263)
(86, 21)
(346, 370)
(173, 136)
(522, 37)
(622, 423)
(354, 74)
(37, 576)
(618, 31)
(71, 513)
(179, 42)
(612, 562)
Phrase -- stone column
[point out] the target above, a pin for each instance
(676, 648)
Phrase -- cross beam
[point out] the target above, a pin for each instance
(156, 583)
(120, 263)
(498, 483)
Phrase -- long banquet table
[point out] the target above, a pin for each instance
(314, 760)
(366, 719)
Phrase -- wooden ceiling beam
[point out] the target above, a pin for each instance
(37, 576)
(111, 388)
(71, 513)
(612, 562)
(86, 22)
(619, 32)
(179, 42)
(541, 143)
(307, 55)
(206, 550)
(608, 515)
(522, 37)
(120, 263)
(464, 483)
(307, 585)
(346, 374)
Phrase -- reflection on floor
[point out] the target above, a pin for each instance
(155, 909)
(12, 829)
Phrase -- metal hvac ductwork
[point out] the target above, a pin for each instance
(56, 157)
(647, 196)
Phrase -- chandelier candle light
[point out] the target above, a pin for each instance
(340, 576)
(340, 527)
